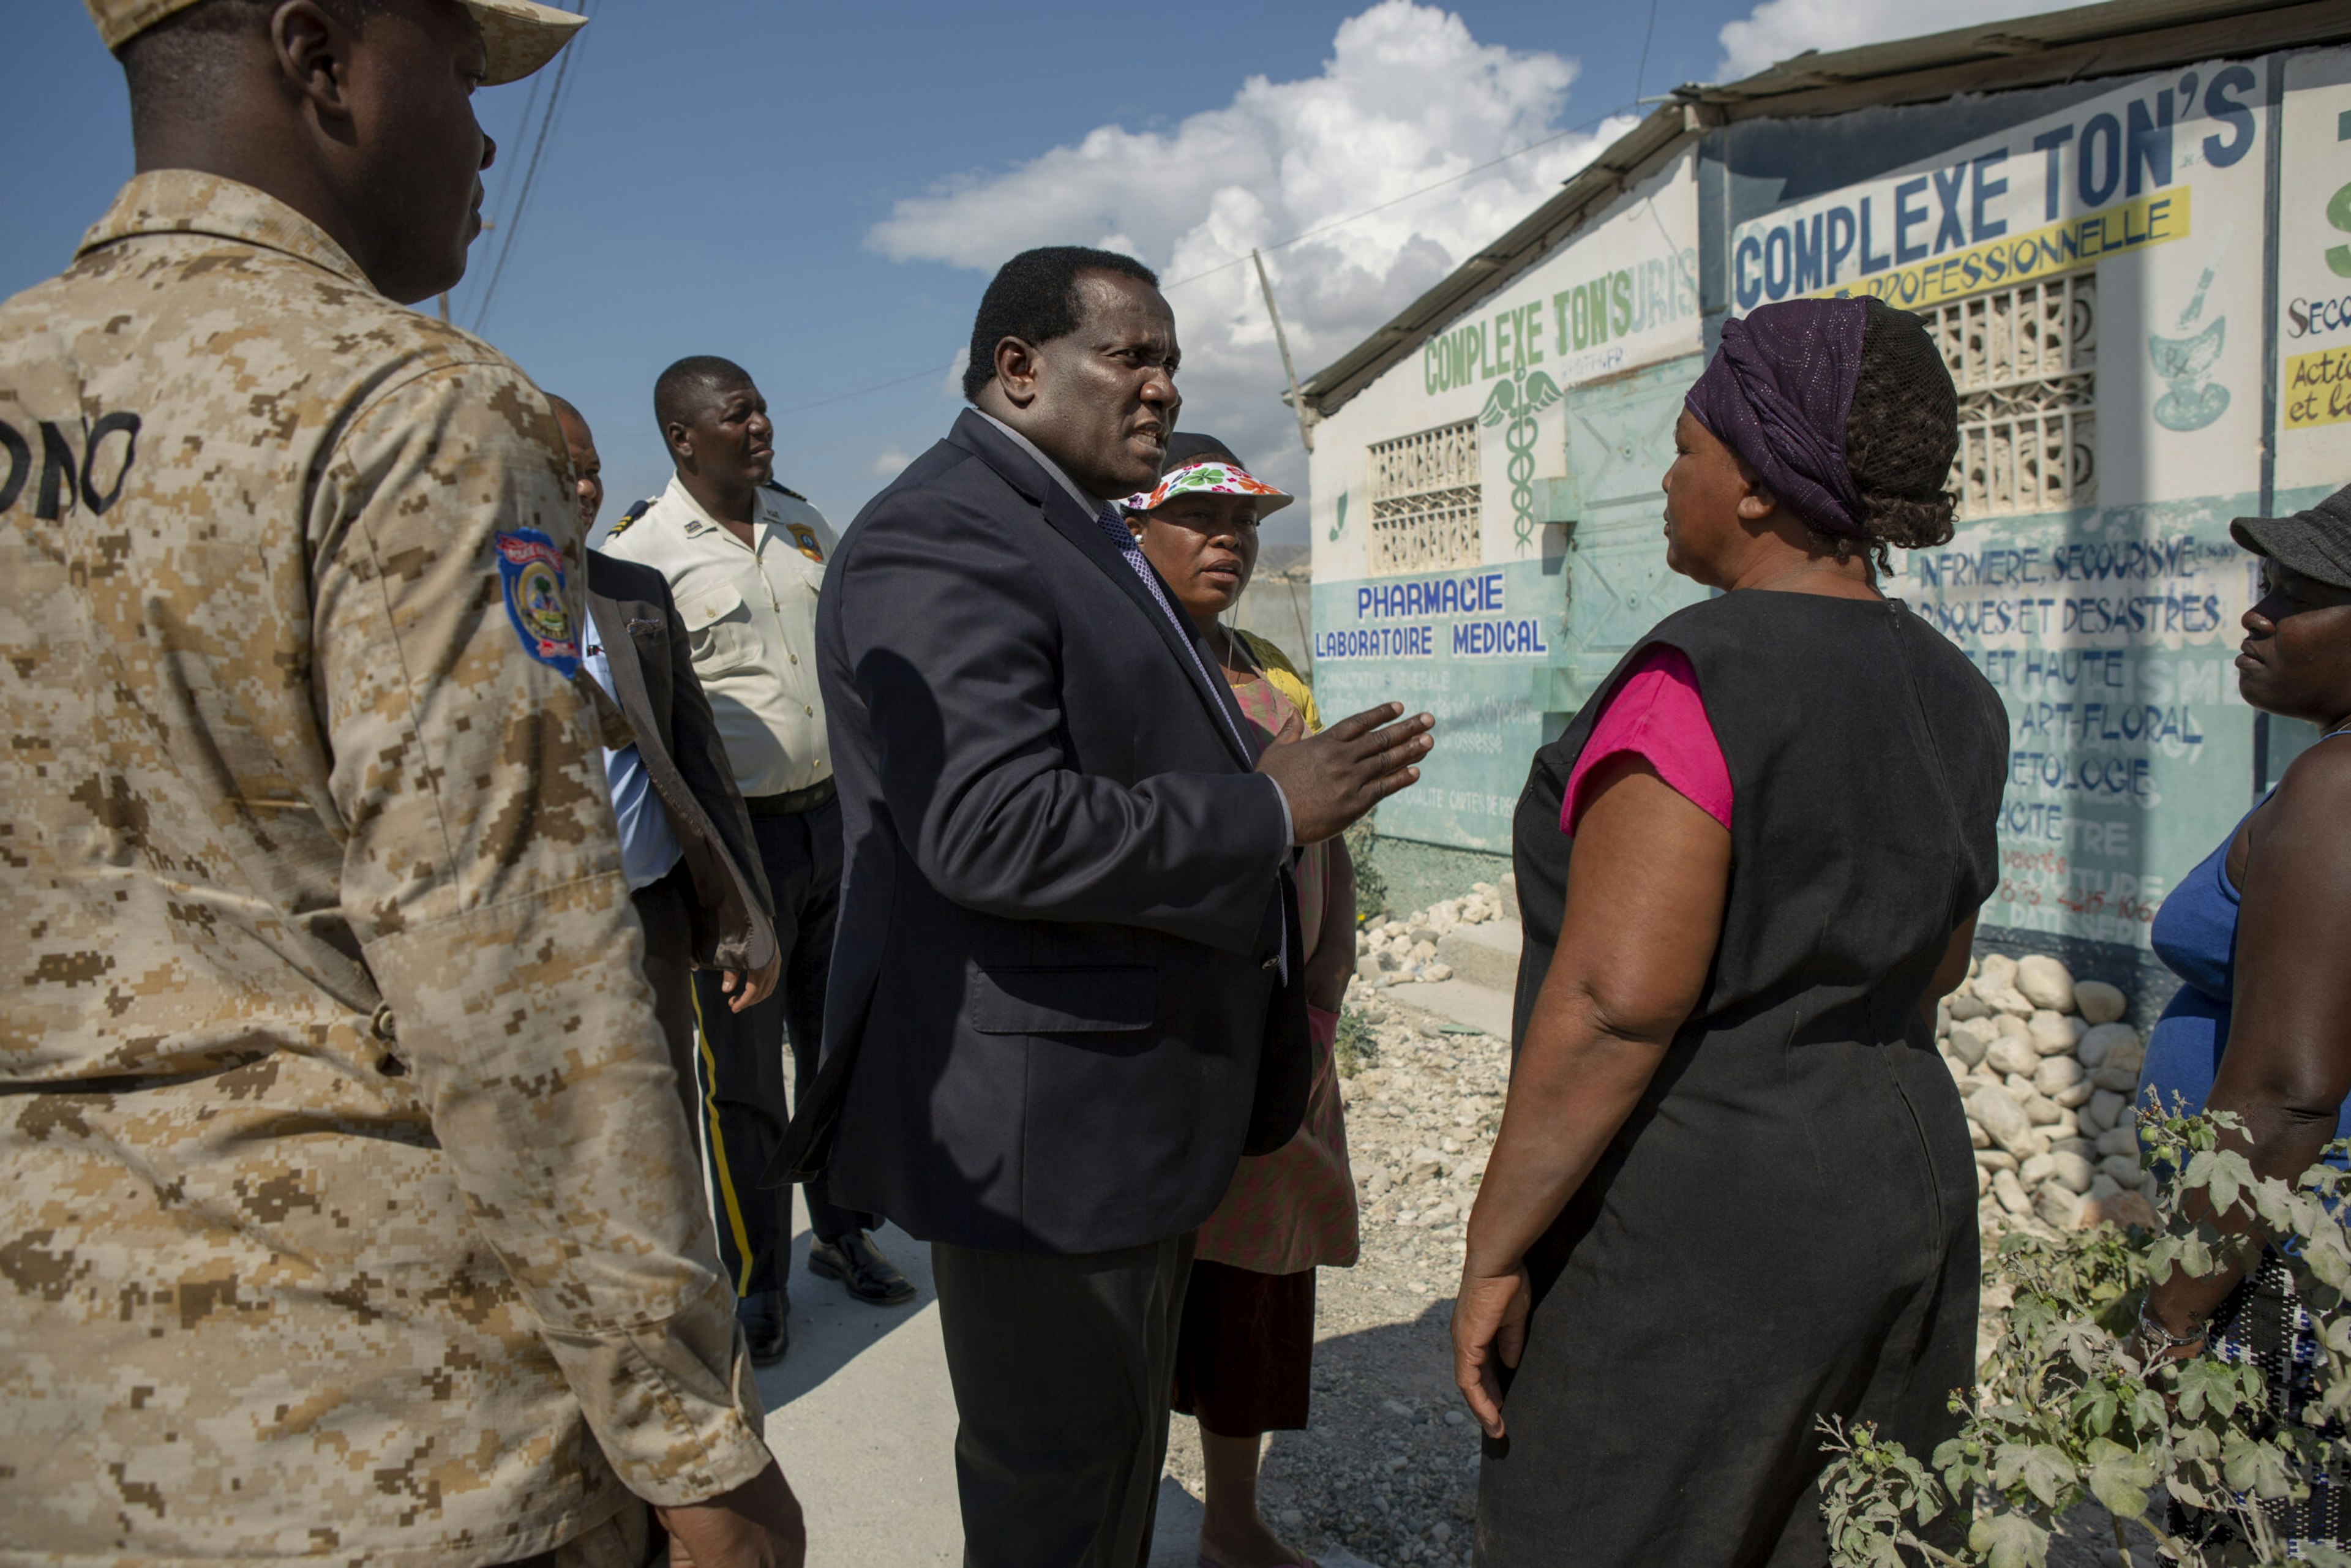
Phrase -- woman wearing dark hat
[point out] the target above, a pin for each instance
(1245, 1347)
(2260, 935)
(1732, 1193)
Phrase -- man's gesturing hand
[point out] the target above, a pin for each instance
(1332, 778)
(757, 1525)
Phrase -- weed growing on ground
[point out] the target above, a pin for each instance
(1358, 1046)
(2063, 1411)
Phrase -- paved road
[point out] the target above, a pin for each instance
(861, 1415)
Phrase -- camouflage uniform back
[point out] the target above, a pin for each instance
(350, 1212)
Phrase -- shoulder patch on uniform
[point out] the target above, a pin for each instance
(805, 537)
(784, 491)
(638, 510)
(531, 572)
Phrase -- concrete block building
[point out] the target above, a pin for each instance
(2130, 227)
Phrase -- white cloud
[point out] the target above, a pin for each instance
(1407, 99)
(1779, 28)
(890, 463)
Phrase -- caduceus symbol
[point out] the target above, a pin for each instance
(1519, 401)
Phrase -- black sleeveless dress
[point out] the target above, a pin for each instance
(1785, 1226)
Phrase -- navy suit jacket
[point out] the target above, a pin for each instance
(1055, 1019)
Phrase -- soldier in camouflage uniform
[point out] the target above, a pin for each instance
(349, 1213)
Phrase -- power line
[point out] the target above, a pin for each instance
(1641, 76)
(513, 225)
(538, 80)
(514, 219)
(860, 392)
(1278, 244)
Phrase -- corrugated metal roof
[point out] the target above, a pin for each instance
(2112, 39)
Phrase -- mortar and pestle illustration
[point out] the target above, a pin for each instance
(2183, 362)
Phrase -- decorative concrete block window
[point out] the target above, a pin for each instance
(1425, 500)
(2025, 362)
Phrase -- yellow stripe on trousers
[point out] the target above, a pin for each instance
(722, 1173)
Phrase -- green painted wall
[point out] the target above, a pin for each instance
(2110, 633)
(1395, 640)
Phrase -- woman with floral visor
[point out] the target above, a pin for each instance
(1244, 1350)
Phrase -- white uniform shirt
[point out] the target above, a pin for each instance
(750, 616)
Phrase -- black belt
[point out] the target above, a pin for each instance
(792, 803)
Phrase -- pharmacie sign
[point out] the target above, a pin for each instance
(2107, 178)
(1465, 614)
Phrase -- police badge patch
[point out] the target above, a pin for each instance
(530, 569)
(805, 537)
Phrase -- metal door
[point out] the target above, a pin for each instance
(1620, 439)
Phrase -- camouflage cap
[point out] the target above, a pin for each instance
(519, 35)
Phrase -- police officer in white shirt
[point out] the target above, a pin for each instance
(745, 560)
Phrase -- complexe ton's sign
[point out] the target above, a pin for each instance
(2051, 197)
(1397, 620)
(2018, 258)
(1611, 305)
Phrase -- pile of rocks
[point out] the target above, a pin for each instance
(1390, 952)
(1421, 1123)
(2046, 1070)
(1388, 1469)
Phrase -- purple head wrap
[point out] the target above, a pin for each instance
(1778, 394)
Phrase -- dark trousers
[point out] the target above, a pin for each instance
(1062, 1368)
(745, 1108)
(663, 910)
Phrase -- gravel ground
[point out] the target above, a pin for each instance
(1388, 1469)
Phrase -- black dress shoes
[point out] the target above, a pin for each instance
(764, 1319)
(856, 1262)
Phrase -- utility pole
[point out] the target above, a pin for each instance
(1281, 341)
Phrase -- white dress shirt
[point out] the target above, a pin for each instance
(750, 616)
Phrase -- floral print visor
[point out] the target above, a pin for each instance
(1211, 477)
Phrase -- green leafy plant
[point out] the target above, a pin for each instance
(2064, 1413)
(1357, 1047)
(1371, 887)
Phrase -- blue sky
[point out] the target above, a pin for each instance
(819, 191)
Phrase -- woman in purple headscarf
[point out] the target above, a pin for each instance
(1732, 1193)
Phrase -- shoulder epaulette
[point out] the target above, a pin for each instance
(630, 516)
(785, 490)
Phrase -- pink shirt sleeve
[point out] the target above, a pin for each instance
(1656, 714)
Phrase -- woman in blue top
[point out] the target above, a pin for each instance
(2261, 933)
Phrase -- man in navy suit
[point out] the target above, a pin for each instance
(1066, 990)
